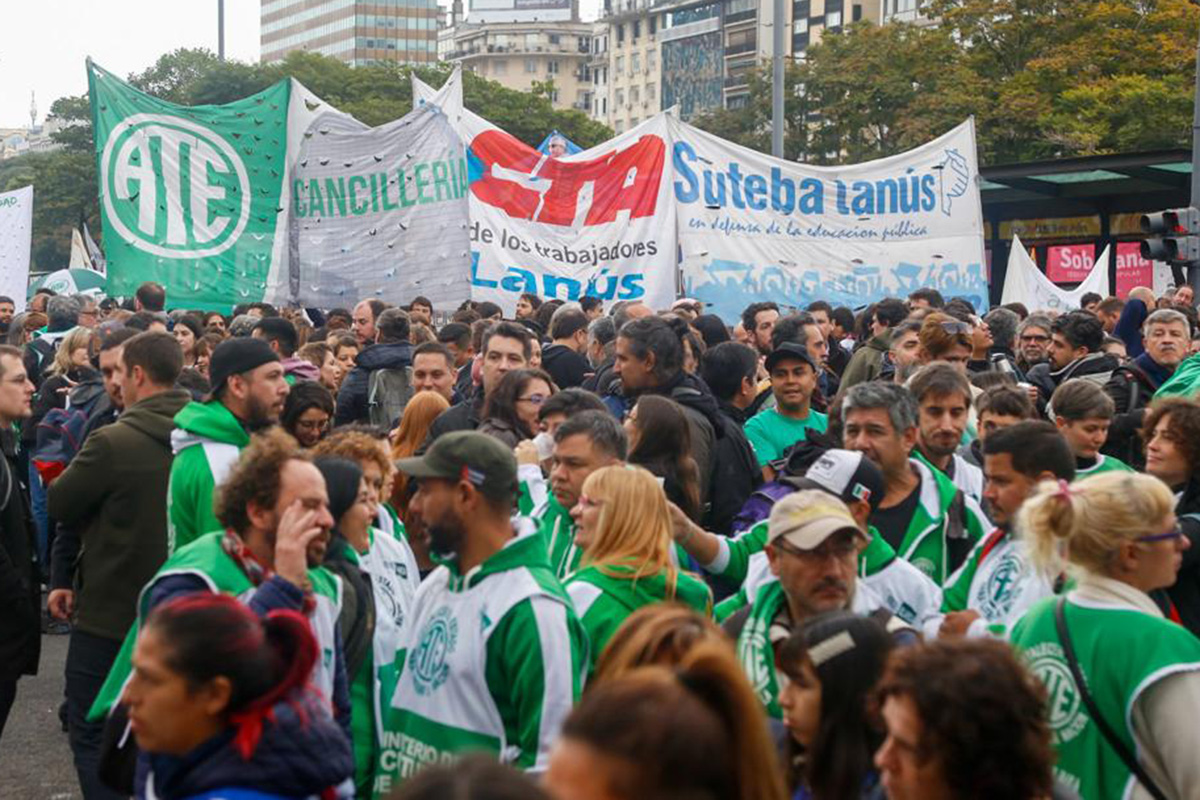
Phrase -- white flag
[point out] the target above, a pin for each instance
(1025, 283)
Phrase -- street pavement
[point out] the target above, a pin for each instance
(35, 759)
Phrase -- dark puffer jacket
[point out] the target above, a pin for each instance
(302, 753)
(352, 405)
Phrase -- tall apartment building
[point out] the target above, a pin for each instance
(518, 54)
(749, 32)
(697, 54)
(358, 32)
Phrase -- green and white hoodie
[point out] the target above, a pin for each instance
(998, 581)
(605, 596)
(1103, 464)
(754, 649)
(392, 568)
(1128, 654)
(207, 560)
(206, 441)
(890, 582)
(925, 542)
(552, 521)
(491, 661)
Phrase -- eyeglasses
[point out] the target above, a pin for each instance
(536, 399)
(1174, 533)
(1031, 337)
(835, 548)
(589, 502)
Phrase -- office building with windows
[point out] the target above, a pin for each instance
(354, 31)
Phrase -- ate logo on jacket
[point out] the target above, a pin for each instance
(526, 184)
(427, 663)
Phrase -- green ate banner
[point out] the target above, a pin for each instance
(190, 196)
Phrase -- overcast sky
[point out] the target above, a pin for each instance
(43, 43)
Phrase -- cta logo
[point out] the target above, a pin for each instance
(174, 188)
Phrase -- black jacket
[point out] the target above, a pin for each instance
(20, 595)
(458, 417)
(1098, 366)
(735, 473)
(565, 366)
(1131, 389)
(1185, 594)
(352, 397)
(603, 377)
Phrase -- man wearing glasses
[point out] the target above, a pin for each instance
(1033, 337)
(813, 542)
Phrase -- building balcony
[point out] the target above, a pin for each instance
(737, 81)
(738, 49)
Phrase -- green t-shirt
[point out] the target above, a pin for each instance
(770, 433)
(1103, 464)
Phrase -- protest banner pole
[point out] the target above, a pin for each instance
(777, 83)
(221, 29)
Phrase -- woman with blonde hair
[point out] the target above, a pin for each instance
(623, 528)
(695, 730)
(1123, 681)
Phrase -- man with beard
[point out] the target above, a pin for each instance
(274, 521)
(812, 547)
(494, 656)
(944, 403)
(248, 392)
(1165, 336)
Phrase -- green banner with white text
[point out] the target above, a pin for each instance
(190, 196)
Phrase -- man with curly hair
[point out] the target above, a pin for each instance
(274, 510)
(964, 719)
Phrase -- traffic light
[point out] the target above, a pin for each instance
(1174, 236)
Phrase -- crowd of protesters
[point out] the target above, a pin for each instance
(608, 553)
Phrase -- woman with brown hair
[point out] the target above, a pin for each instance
(695, 731)
(624, 529)
(944, 338)
(510, 413)
(661, 441)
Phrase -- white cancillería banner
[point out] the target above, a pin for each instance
(600, 222)
(16, 236)
(753, 227)
(1025, 283)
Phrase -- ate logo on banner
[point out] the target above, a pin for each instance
(173, 187)
(527, 184)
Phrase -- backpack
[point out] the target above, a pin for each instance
(388, 392)
(60, 433)
(795, 463)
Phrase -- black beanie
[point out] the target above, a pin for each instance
(342, 478)
(235, 356)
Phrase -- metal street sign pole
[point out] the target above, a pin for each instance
(777, 84)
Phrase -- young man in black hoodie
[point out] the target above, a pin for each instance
(729, 370)
(564, 359)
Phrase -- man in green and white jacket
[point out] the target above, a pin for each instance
(997, 584)
(248, 392)
(493, 656)
(260, 555)
(583, 443)
(926, 519)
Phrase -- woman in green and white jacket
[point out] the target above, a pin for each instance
(624, 530)
(1120, 539)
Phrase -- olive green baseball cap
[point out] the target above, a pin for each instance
(466, 455)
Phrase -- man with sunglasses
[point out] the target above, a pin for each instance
(813, 542)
